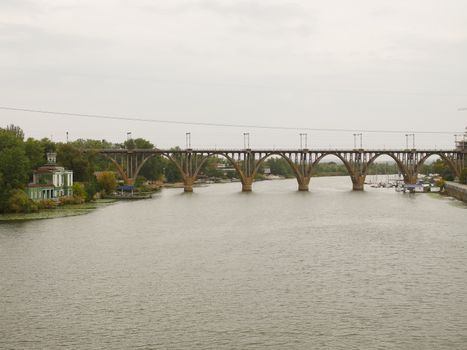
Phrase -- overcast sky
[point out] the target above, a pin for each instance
(362, 64)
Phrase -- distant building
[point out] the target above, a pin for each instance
(51, 181)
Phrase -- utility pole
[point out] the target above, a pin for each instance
(246, 140)
(303, 137)
(188, 140)
(407, 141)
(355, 140)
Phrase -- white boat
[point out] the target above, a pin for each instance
(413, 188)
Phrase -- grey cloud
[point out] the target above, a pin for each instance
(250, 9)
(18, 5)
(266, 18)
(272, 19)
(244, 10)
(27, 38)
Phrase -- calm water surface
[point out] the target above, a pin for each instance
(218, 269)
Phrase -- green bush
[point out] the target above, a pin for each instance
(440, 183)
(140, 181)
(19, 202)
(107, 182)
(91, 190)
(47, 204)
(71, 200)
(463, 177)
(79, 190)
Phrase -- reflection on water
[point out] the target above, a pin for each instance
(219, 269)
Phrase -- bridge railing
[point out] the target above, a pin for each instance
(267, 150)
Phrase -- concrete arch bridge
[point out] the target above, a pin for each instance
(303, 162)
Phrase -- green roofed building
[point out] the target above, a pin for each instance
(51, 181)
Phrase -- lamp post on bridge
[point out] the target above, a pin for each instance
(188, 140)
(407, 141)
(303, 137)
(246, 140)
(355, 140)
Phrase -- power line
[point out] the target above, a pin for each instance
(224, 125)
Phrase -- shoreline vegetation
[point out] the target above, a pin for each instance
(60, 212)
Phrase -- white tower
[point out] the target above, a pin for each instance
(51, 157)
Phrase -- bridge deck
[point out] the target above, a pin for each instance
(273, 150)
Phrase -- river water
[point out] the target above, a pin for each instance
(221, 269)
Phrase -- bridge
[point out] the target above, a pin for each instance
(303, 162)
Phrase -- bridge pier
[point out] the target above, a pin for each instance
(411, 179)
(188, 183)
(247, 183)
(358, 182)
(303, 183)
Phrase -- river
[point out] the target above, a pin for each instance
(221, 269)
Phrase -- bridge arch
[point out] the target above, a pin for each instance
(356, 177)
(289, 161)
(119, 168)
(231, 161)
(353, 176)
(125, 176)
(400, 165)
(303, 179)
(341, 158)
(444, 157)
(165, 155)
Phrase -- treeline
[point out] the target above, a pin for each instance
(279, 166)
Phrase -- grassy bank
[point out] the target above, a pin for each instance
(66, 210)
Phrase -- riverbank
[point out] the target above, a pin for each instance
(66, 210)
(456, 190)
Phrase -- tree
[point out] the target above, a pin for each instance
(107, 182)
(91, 144)
(171, 171)
(16, 130)
(71, 158)
(441, 167)
(463, 177)
(279, 166)
(154, 167)
(91, 189)
(14, 165)
(210, 167)
(79, 190)
(35, 152)
(48, 145)
(19, 202)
